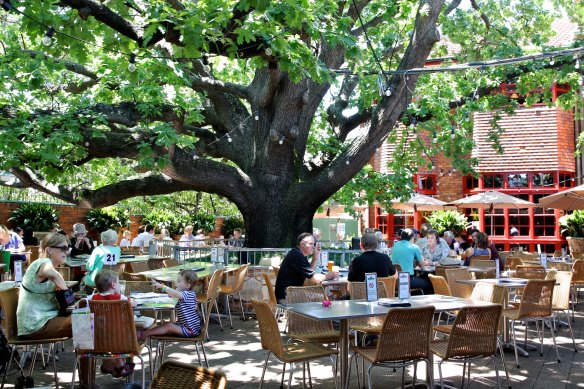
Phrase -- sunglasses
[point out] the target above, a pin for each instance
(62, 248)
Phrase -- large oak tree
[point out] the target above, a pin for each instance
(241, 97)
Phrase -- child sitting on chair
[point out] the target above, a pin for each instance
(188, 322)
(107, 284)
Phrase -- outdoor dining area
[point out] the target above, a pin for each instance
(471, 331)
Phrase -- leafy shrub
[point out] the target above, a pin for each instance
(573, 224)
(40, 217)
(203, 221)
(174, 223)
(230, 224)
(104, 219)
(447, 221)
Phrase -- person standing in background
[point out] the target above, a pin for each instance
(80, 244)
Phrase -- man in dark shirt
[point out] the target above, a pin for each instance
(295, 268)
(370, 261)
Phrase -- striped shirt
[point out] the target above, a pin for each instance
(187, 315)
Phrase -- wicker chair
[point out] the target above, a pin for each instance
(235, 287)
(404, 340)
(131, 250)
(303, 328)
(561, 299)
(536, 304)
(178, 375)
(156, 263)
(136, 267)
(366, 325)
(456, 288)
(473, 335)
(441, 269)
(285, 353)
(390, 283)
(272, 296)
(170, 262)
(577, 281)
(9, 303)
(133, 277)
(440, 285)
(530, 272)
(483, 263)
(161, 340)
(203, 298)
(513, 262)
(114, 334)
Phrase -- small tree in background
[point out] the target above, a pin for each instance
(40, 217)
(102, 219)
(453, 221)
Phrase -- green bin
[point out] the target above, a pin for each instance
(6, 260)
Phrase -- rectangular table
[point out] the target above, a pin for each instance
(344, 310)
(169, 274)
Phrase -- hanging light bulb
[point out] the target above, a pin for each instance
(552, 62)
(388, 91)
(347, 162)
(229, 138)
(434, 137)
(413, 122)
(206, 66)
(132, 64)
(577, 64)
(48, 38)
(453, 132)
(256, 117)
(268, 51)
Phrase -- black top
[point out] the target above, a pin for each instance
(370, 262)
(83, 248)
(294, 270)
(30, 241)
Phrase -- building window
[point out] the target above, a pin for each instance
(497, 227)
(491, 181)
(566, 180)
(381, 221)
(401, 221)
(517, 180)
(544, 222)
(542, 179)
(426, 183)
(519, 218)
(469, 183)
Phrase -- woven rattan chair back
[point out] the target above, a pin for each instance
(536, 301)
(234, 287)
(578, 272)
(276, 270)
(405, 335)
(389, 284)
(170, 262)
(138, 287)
(298, 324)
(359, 292)
(65, 272)
(474, 332)
(269, 331)
(561, 297)
(486, 291)
(136, 267)
(271, 293)
(156, 263)
(481, 261)
(131, 250)
(239, 278)
(456, 288)
(214, 282)
(441, 269)
(530, 272)
(9, 303)
(177, 375)
(512, 262)
(440, 285)
(133, 277)
(114, 329)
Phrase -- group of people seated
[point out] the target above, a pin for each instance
(39, 315)
(413, 249)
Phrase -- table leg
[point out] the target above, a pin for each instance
(344, 353)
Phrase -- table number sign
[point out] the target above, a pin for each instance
(220, 255)
(543, 260)
(214, 254)
(18, 271)
(324, 258)
(403, 285)
(371, 286)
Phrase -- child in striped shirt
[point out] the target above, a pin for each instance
(188, 323)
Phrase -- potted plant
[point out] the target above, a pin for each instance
(41, 217)
(572, 226)
(452, 221)
(105, 219)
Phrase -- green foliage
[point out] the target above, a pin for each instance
(573, 224)
(230, 224)
(163, 218)
(453, 221)
(107, 218)
(40, 217)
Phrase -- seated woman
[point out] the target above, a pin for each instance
(481, 248)
(107, 254)
(37, 312)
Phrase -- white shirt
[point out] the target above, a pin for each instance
(124, 242)
(143, 240)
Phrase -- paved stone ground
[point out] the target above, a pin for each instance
(238, 353)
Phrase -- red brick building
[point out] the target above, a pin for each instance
(538, 159)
